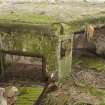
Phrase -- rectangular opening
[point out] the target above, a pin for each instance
(23, 68)
(65, 47)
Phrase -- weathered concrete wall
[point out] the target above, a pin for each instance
(30, 42)
(97, 44)
(99, 40)
(35, 40)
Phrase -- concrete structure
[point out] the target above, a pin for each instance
(46, 31)
(43, 41)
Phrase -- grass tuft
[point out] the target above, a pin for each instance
(27, 95)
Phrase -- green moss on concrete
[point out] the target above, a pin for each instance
(35, 44)
(69, 25)
(65, 66)
(36, 39)
(44, 13)
(28, 95)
